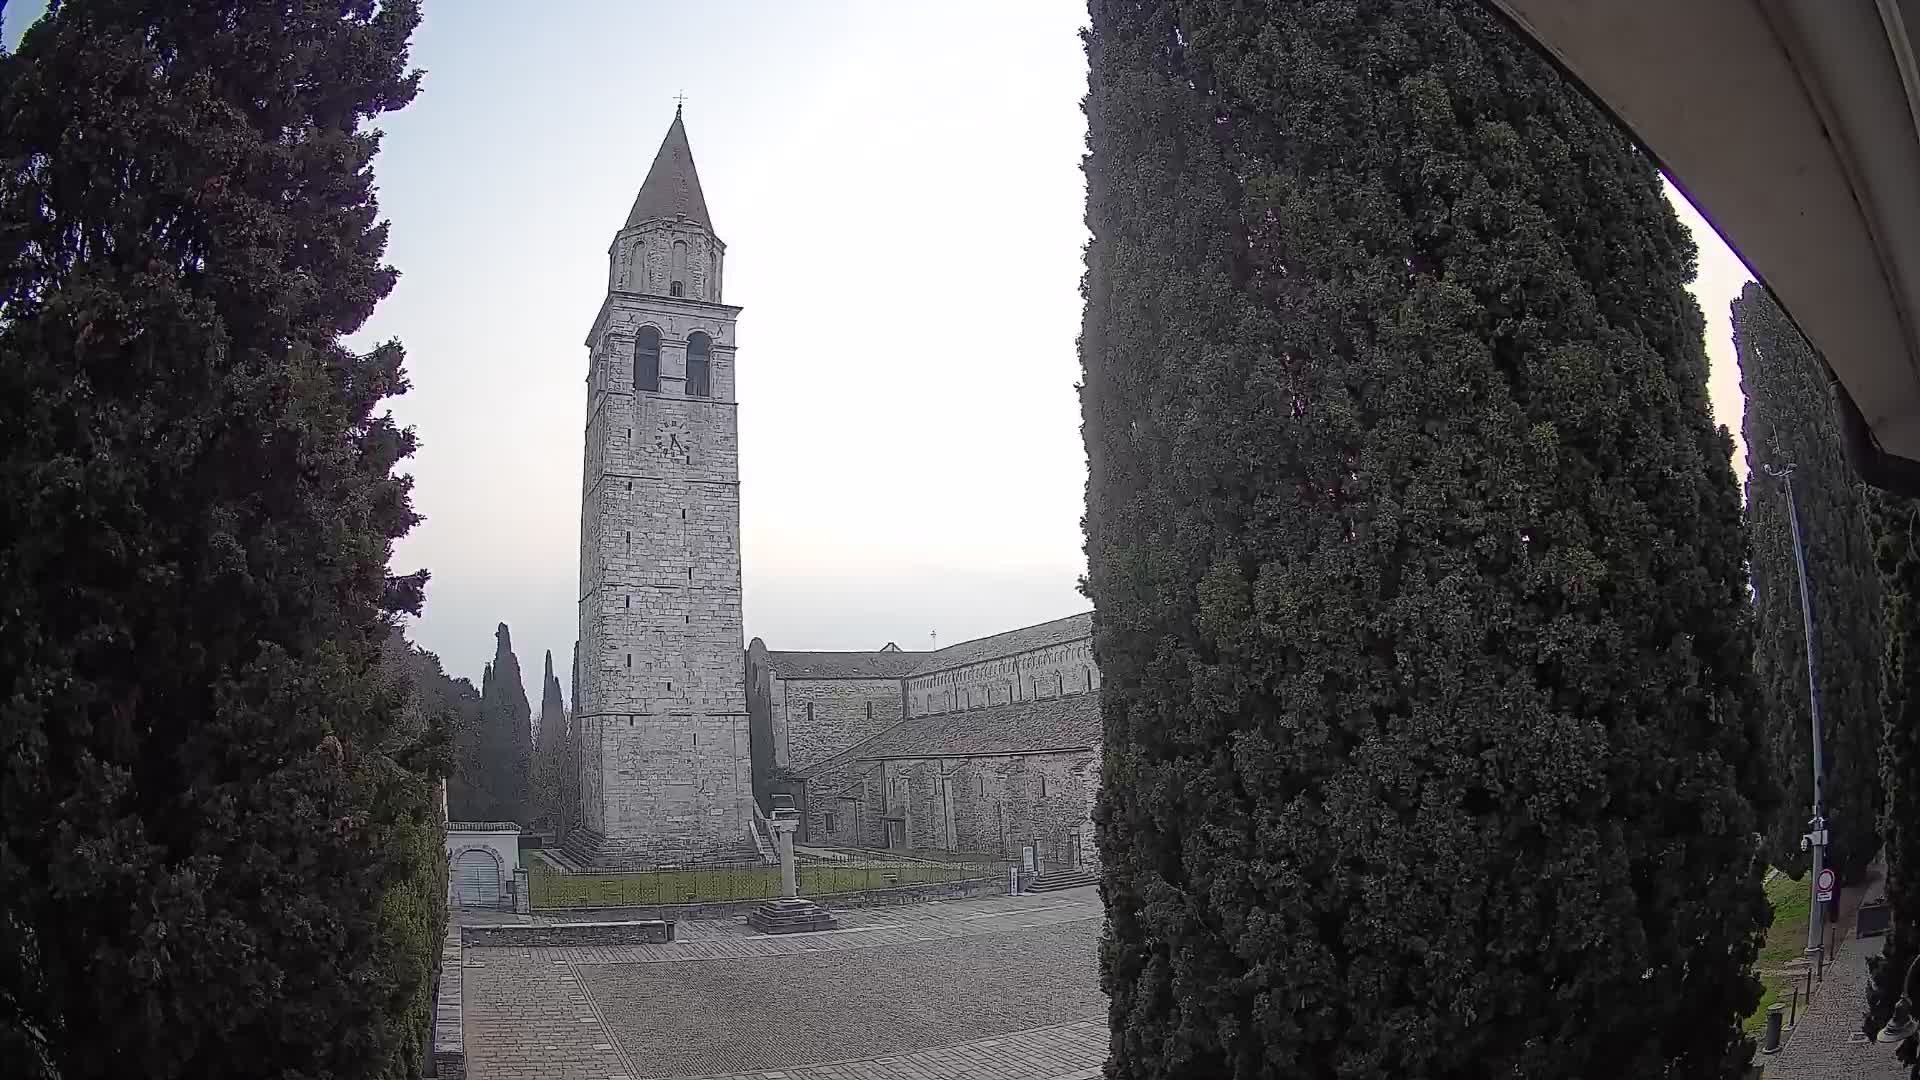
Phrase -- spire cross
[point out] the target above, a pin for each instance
(679, 99)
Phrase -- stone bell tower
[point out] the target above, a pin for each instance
(661, 705)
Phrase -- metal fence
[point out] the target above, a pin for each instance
(847, 872)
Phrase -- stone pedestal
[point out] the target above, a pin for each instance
(790, 915)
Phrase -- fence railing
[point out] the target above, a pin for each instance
(552, 888)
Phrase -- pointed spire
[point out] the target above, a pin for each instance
(672, 186)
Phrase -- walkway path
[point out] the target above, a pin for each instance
(1004, 988)
(1062, 1052)
(1826, 1044)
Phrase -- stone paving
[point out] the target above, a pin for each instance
(1061, 1052)
(1824, 1044)
(991, 989)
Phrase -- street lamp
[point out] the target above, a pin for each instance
(1815, 840)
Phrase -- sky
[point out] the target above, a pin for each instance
(899, 189)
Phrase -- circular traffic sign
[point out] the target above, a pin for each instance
(1826, 879)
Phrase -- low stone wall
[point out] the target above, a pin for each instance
(549, 935)
(733, 909)
(449, 1033)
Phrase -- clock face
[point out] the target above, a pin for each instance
(672, 442)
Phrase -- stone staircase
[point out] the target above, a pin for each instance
(1063, 878)
(763, 845)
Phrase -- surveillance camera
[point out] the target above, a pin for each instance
(1806, 844)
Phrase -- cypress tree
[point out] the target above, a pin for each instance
(1791, 420)
(549, 748)
(1898, 531)
(213, 805)
(458, 704)
(1431, 747)
(506, 740)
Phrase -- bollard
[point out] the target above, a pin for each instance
(1771, 1045)
(1794, 1016)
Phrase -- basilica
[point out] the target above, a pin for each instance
(988, 747)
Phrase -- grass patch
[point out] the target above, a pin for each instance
(1792, 903)
(1772, 988)
(551, 889)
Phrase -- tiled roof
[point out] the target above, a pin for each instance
(1025, 639)
(1061, 723)
(842, 665)
(672, 186)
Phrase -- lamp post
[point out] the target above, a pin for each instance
(1815, 841)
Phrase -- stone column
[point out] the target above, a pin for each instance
(783, 840)
(789, 913)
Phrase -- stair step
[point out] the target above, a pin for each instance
(1054, 880)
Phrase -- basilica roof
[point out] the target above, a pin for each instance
(1027, 638)
(672, 187)
(890, 664)
(1059, 723)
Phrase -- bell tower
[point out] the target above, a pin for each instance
(662, 707)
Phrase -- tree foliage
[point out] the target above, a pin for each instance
(1431, 747)
(1898, 531)
(549, 751)
(1790, 420)
(493, 760)
(214, 810)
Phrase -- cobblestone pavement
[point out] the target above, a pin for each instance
(529, 1021)
(1062, 1052)
(775, 1012)
(999, 989)
(858, 930)
(1823, 1046)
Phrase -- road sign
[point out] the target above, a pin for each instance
(1823, 885)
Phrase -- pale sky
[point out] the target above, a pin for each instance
(898, 186)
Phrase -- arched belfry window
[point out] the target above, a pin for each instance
(679, 278)
(699, 366)
(646, 360)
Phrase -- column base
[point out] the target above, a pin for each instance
(791, 915)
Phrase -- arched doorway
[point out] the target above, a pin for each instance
(476, 879)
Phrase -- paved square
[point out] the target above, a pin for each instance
(726, 1016)
(1003, 989)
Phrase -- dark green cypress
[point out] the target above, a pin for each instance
(1898, 531)
(506, 734)
(213, 805)
(1431, 747)
(549, 750)
(1790, 420)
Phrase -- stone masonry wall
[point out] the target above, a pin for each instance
(642, 260)
(995, 805)
(1038, 673)
(677, 789)
(665, 768)
(814, 719)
